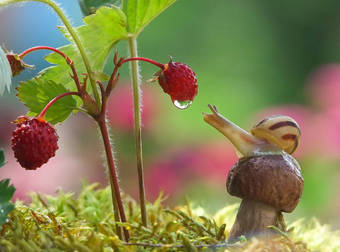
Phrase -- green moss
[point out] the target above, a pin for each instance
(86, 223)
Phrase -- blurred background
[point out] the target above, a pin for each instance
(252, 59)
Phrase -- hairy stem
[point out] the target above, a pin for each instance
(74, 36)
(68, 61)
(115, 208)
(43, 112)
(36, 48)
(138, 128)
(160, 65)
(113, 174)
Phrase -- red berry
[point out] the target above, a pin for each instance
(34, 142)
(179, 81)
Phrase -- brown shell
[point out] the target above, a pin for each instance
(271, 179)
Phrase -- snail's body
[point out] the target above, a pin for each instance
(272, 135)
(265, 173)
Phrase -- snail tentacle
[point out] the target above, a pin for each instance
(244, 142)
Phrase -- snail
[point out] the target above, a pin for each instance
(266, 177)
(273, 134)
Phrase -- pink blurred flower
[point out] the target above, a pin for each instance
(120, 107)
(324, 88)
(209, 162)
(324, 134)
(214, 160)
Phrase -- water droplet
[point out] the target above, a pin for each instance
(182, 104)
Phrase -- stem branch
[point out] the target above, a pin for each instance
(42, 113)
(138, 128)
(36, 48)
(160, 65)
(68, 61)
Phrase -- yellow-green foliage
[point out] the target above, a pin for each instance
(86, 223)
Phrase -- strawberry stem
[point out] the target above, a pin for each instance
(113, 174)
(100, 119)
(36, 48)
(68, 60)
(43, 112)
(160, 65)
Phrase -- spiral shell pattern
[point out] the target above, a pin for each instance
(280, 130)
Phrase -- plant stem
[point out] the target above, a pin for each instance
(115, 208)
(113, 177)
(68, 61)
(36, 48)
(138, 128)
(74, 36)
(113, 174)
(42, 113)
(160, 65)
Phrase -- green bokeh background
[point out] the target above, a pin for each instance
(248, 55)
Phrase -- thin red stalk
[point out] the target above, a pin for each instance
(36, 48)
(42, 113)
(115, 209)
(68, 60)
(115, 190)
(112, 169)
(160, 65)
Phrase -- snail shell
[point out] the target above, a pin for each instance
(280, 130)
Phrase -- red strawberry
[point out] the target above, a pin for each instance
(34, 142)
(179, 81)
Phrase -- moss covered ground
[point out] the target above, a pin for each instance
(86, 223)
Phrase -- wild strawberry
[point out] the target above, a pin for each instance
(34, 142)
(179, 81)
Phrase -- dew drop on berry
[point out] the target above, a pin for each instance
(182, 104)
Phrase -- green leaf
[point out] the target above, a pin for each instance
(36, 93)
(141, 12)
(6, 194)
(99, 35)
(6, 191)
(2, 158)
